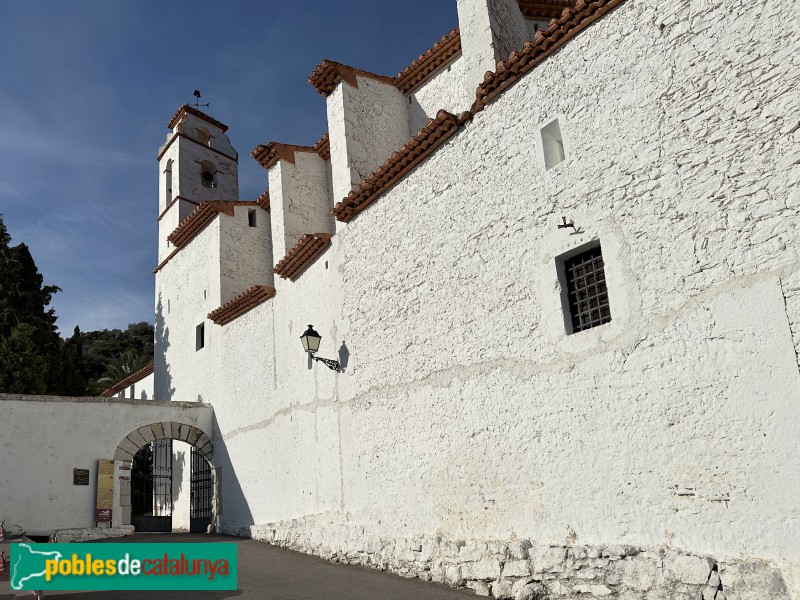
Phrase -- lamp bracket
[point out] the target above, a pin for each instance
(564, 224)
(333, 365)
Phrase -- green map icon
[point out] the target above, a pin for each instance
(124, 566)
(28, 565)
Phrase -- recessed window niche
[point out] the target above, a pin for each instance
(552, 144)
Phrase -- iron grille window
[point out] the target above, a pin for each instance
(586, 290)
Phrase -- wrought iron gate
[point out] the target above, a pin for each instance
(202, 494)
(151, 487)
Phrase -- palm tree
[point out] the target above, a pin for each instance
(122, 366)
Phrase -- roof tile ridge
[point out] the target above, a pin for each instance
(328, 73)
(204, 210)
(419, 147)
(302, 254)
(542, 9)
(572, 21)
(426, 64)
(188, 108)
(323, 146)
(267, 155)
(130, 379)
(241, 303)
(263, 200)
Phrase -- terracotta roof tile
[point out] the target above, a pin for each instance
(328, 74)
(426, 65)
(543, 10)
(129, 380)
(244, 302)
(197, 113)
(307, 249)
(323, 147)
(419, 147)
(575, 16)
(202, 216)
(269, 154)
(571, 22)
(197, 221)
(263, 201)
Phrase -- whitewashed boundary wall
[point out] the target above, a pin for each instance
(43, 438)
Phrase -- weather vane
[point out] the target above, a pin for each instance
(197, 100)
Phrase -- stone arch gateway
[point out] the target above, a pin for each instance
(168, 430)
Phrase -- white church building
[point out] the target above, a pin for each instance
(555, 268)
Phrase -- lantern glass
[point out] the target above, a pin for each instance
(310, 340)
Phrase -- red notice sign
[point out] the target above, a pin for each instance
(103, 514)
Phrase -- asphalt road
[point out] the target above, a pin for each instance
(270, 573)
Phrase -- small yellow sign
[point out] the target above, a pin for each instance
(105, 489)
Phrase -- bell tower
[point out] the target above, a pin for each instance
(196, 163)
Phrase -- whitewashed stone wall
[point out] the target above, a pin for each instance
(490, 31)
(465, 412)
(451, 89)
(43, 438)
(366, 124)
(245, 252)
(185, 157)
(187, 289)
(224, 259)
(300, 200)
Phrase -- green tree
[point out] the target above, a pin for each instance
(72, 380)
(23, 366)
(29, 343)
(122, 366)
(33, 357)
(111, 355)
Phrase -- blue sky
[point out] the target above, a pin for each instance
(87, 89)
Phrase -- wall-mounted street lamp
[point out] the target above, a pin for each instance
(311, 341)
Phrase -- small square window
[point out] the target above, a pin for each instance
(587, 295)
(552, 144)
(200, 336)
(251, 217)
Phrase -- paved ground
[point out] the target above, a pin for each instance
(270, 573)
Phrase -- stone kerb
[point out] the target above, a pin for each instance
(137, 438)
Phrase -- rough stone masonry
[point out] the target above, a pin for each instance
(524, 570)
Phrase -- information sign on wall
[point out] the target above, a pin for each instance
(80, 476)
(105, 489)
